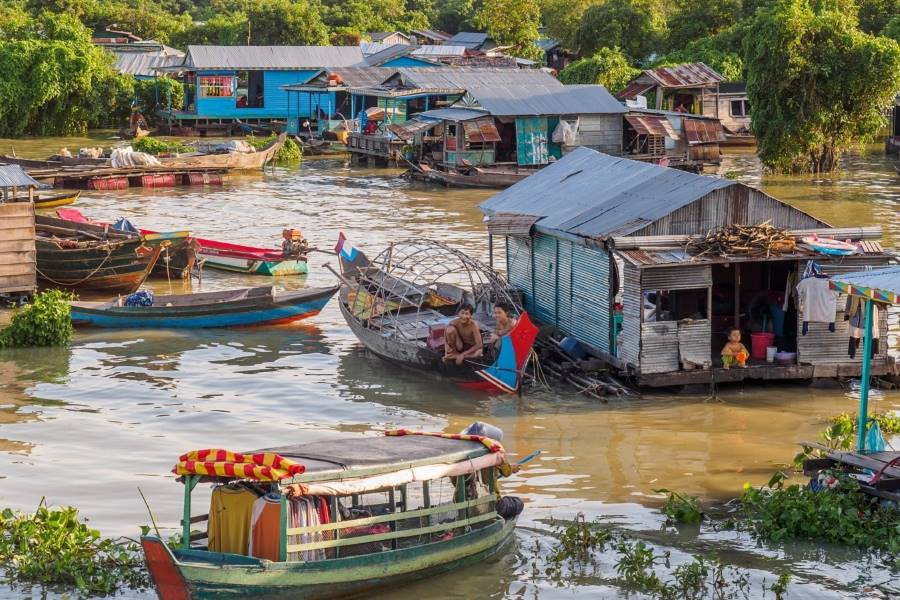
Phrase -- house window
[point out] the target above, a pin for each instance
(740, 108)
(216, 86)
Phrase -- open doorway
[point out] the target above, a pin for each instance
(750, 296)
(250, 90)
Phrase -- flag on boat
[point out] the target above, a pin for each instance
(351, 258)
(515, 347)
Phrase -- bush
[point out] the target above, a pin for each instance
(609, 67)
(44, 322)
(53, 547)
(152, 145)
(154, 95)
(290, 151)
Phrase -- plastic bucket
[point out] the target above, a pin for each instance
(758, 344)
(770, 353)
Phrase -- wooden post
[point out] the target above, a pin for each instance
(335, 517)
(737, 294)
(491, 250)
(864, 383)
(392, 500)
(189, 482)
(282, 534)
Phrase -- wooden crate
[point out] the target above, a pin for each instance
(17, 251)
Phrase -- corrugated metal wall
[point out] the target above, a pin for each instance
(591, 289)
(659, 347)
(735, 204)
(630, 346)
(601, 132)
(687, 277)
(694, 343)
(518, 267)
(820, 346)
(564, 318)
(545, 274)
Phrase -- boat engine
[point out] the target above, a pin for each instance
(293, 243)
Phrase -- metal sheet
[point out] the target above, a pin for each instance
(481, 130)
(635, 88)
(659, 347)
(564, 317)
(545, 272)
(15, 176)
(647, 124)
(630, 346)
(821, 346)
(506, 224)
(550, 99)
(518, 268)
(271, 57)
(409, 129)
(591, 296)
(694, 344)
(685, 75)
(688, 277)
(703, 131)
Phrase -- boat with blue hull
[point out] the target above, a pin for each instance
(231, 308)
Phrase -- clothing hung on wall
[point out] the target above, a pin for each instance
(230, 512)
(817, 302)
(855, 313)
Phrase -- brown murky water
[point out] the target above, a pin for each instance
(88, 425)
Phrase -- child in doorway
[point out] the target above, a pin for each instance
(734, 352)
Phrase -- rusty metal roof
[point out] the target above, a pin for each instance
(635, 88)
(703, 131)
(648, 124)
(686, 75)
(667, 257)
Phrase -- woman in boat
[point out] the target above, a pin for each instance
(462, 338)
(506, 321)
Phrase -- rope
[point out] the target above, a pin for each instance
(91, 274)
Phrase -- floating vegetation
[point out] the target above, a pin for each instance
(290, 151)
(841, 434)
(681, 508)
(54, 547)
(152, 145)
(44, 322)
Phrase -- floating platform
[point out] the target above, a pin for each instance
(877, 473)
(112, 178)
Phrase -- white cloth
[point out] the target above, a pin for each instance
(817, 300)
(127, 157)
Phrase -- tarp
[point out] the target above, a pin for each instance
(127, 157)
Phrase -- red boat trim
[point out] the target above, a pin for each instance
(170, 584)
(283, 320)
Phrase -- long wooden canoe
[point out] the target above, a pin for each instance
(476, 178)
(249, 259)
(55, 200)
(227, 160)
(231, 308)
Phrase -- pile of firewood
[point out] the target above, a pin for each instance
(763, 240)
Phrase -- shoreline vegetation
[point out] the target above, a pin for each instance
(812, 102)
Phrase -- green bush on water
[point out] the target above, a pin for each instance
(44, 322)
(155, 146)
(290, 151)
(841, 434)
(54, 547)
(681, 508)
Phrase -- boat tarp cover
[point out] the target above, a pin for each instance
(393, 453)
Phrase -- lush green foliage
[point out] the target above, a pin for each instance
(632, 25)
(54, 547)
(155, 94)
(562, 18)
(722, 51)
(155, 145)
(681, 508)
(695, 20)
(455, 15)
(512, 23)
(290, 151)
(44, 322)
(824, 90)
(892, 29)
(608, 67)
(841, 514)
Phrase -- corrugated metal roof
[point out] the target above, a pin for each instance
(647, 125)
(433, 51)
(553, 99)
(454, 114)
(389, 53)
(880, 284)
(144, 64)
(469, 39)
(510, 224)
(470, 77)
(686, 75)
(381, 35)
(604, 195)
(370, 48)
(667, 257)
(350, 76)
(634, 89)
(272, 58)
(432, 34)
(546, 44)
(703, 131)
(15, 176)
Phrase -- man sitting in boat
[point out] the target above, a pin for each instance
(462, 338)
(503, 314)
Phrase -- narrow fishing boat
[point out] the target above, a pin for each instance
(178, 248)
(290, 260)
(231, 308)
(473, 177)
(337, 518)
(54, 200)
(84, 256)
(401, 304)
(227, 160)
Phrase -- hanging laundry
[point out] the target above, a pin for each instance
(230, 511)
(816, 302)
(855, 313)
(304, 513)
(265, 527)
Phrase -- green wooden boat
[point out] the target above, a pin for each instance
(410, 506)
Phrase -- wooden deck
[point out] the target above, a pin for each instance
(74, 177)
(762, 372)
(376, 146)
(887, 486)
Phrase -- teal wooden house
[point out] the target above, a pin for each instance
(228, 85)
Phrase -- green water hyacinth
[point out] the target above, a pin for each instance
(44, 322)
(53, 547)
(290, 151)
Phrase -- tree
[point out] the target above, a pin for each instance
(608, 67)
(512, 23)
(285, 22)
(228, 29)
(454, 16)
(561, 18)
(722, 51)
(874, 15)
(635, 26)
(824, 90)
(694, 20)
(892, 29)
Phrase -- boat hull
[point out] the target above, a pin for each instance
(481, 178)
(409, 355)
(258, 267)
(252, 311)
(336, 578)
(229, 160)
(178, 256)
(121, 269)
(55, 200)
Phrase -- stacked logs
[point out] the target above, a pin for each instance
(588, 378)
(757, 241)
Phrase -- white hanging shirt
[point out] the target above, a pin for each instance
(817, 300)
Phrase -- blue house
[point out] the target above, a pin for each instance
(397, 56)
(227, 84)
(600, 248)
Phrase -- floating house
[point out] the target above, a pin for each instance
(733, 110)
(597, 245)
(673, 139)
(389, 38)
(228, 84)
(18, 271)
(142, 59)
(689, 88)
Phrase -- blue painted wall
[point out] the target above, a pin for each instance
(407, 61)
(275, 98)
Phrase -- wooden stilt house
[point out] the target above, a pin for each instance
(597, 245)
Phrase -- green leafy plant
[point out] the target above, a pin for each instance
(779, 588)
(44, 322)
(841, 433)
(578, 539)
(636, 565)
(681, 508)
(153, 145)
(54, 547)
(288, 152)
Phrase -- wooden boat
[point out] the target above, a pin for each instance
(248, 259)
(54, 162)
(401, 317)
(231, 308)
(54, 200)
(84, 256)
(393, 509)
(314, 147)
(178, 249)
(227, 160)
(268, 129)
(472, 177)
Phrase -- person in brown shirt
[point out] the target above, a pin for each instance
(462, 339)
